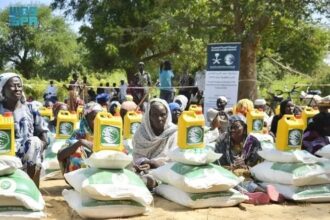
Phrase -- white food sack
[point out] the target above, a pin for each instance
(109, 159)
(90, 208)
(297, 174)
(196, 179)
(9, 164)
(196, 156)
(201, 200)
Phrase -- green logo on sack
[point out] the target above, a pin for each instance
(295, 137)
(4, 141)
(257, 125)
(195, 135)
(110, 136)
(7, 184)
(134, 127)
(66, 128)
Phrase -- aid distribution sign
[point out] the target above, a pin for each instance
(222, 75)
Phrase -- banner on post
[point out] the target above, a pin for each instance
(222, 75)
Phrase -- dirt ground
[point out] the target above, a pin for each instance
(57, 208)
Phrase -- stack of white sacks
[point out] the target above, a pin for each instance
(106, 189)
(193, 181)
(297, 175)
(19, 196)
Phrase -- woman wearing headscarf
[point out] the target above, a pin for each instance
(114, 107)
(175, 112)
(80, 144)
(243, 106)
(238, 150)
(155, 136)
(182, 101)
(286, 108)
(30, 128)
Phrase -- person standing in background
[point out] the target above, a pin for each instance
(100, 89)
(51, 92)
(142, 79)
(122, 91)
(73, 90)
(165, 78)
(186, 80)
(84, 90)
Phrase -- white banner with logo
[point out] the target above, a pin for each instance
(222, 76)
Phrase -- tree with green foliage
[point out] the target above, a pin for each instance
(49, 50)
(122, 32)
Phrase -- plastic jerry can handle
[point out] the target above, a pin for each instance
(65, 113)
(132, 113)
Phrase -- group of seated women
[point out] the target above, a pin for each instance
(155, 137)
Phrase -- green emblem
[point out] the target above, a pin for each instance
(295, 137)
(8, 185)
(257, 125)
(110, 136)
(5, 141)
(5, 184)
(66, 128)
(195, 135)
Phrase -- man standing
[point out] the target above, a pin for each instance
(51, 91)
(165, 78)
(73, 90)
(142, 79)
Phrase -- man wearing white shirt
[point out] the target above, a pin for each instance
(51, 90)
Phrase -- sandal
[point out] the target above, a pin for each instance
(257, 198)
(274, 195)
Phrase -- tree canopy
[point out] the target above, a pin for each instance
(121, 32)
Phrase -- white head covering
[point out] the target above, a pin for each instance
(259, 102)
(4, 77)
(211, 114)
(150, 146)
(92, 107)
(223, 98)
(183, 100)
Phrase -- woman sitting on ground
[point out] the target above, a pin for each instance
(317, 133)
(154, 138)
(238, 150)
(30, 128)
(80, 144)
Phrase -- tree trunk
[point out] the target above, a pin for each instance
(248, 74)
